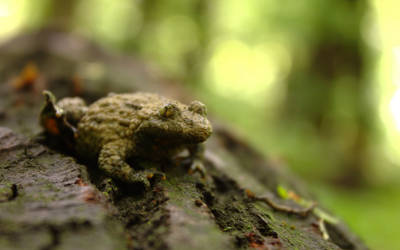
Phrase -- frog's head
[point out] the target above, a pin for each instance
(176, 123)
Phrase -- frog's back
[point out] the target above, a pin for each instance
(114, 117)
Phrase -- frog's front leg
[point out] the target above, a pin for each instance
(112, 160)
(197, 155)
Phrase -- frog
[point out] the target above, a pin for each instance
(123, 126)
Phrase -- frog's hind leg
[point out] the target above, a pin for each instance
(112, 160)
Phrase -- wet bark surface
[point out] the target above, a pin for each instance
(49, 199)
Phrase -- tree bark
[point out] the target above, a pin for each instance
(51, 200)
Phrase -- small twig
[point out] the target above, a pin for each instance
(279, 207)
(300, 211)
(322, 228)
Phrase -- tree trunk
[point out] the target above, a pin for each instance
(49, 200)
(335, 72)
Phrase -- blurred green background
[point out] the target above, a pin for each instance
(315, 85)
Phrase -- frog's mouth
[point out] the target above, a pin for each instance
(172, 134)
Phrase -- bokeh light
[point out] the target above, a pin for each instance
(12, 17)
(239, 71)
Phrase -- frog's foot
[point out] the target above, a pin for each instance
(197, 166)
(140, 177)
(112, 161)
(126, 174)
(197, 153)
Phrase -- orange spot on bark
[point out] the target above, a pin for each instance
(90, 197)
(89, 194)
(294, 196)
(255, 241)
(79, 182)
(27, 77)
(250, 194)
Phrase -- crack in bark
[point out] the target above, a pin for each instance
(234, 212)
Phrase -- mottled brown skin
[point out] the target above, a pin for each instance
(145, 125)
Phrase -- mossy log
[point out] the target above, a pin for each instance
(51, 200)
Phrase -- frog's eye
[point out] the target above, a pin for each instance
(168, 111)
(198, 107)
